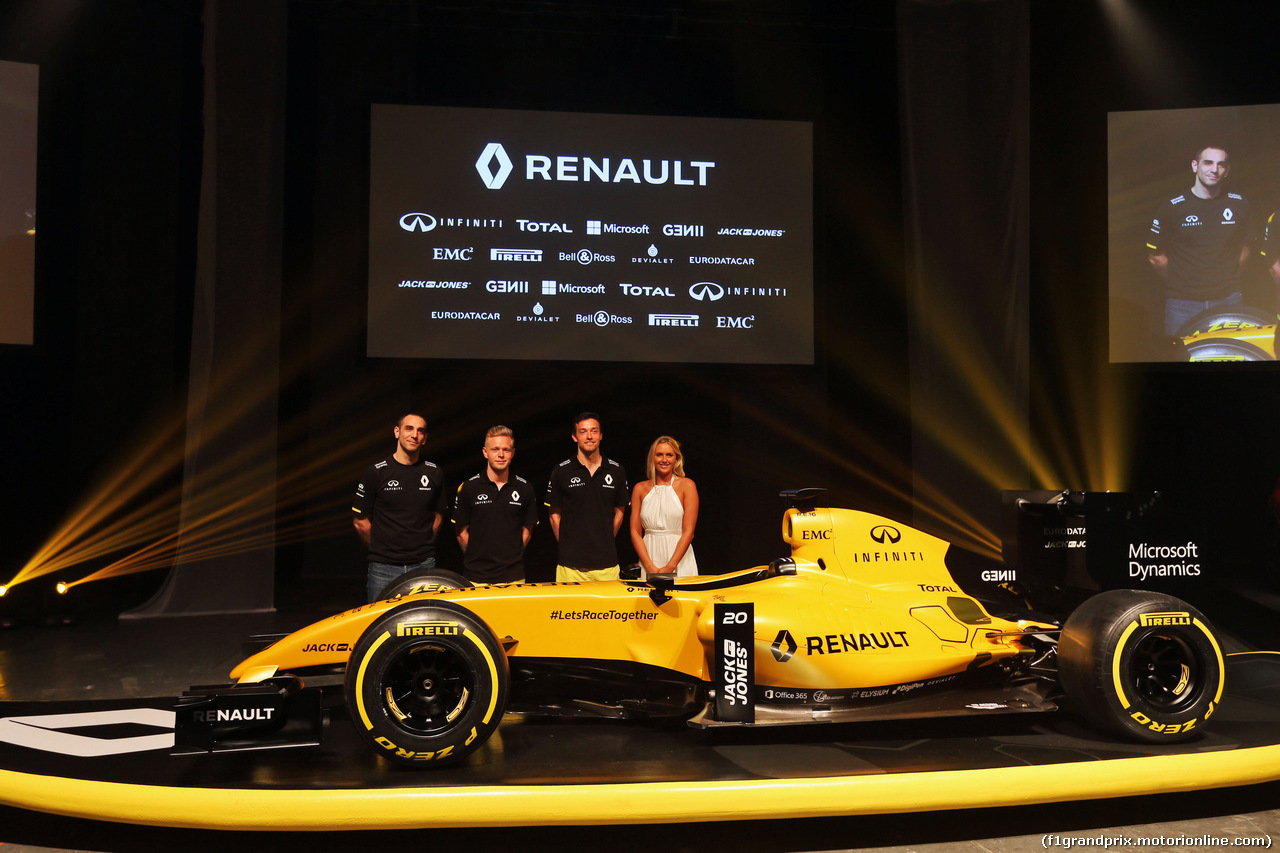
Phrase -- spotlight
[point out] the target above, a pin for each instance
(61, 588)
(3, 589)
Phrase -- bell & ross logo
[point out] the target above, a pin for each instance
(882, 533)
(706, 290)
(494, 153)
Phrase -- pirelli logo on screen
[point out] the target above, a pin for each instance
(428, 629)
(1147, 620)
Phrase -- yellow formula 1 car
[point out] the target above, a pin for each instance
(863, 622)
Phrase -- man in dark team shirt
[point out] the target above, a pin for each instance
(586, 496)
(398, 508)
(494, 515)
(1199, 242)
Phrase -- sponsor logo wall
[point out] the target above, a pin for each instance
(654, 239)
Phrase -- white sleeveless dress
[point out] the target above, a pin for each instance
(662, 516)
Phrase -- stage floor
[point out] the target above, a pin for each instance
(625, 773)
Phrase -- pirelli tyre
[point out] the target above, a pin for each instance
(1241, 316)
(1141, 664)
(1224, 349)
(423, 580)
(426, 684)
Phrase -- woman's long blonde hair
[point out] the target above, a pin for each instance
(677, 469)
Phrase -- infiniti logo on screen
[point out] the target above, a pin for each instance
(707, 290)
(417, 222)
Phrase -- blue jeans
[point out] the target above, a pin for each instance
(1178, 311)
(381, 574)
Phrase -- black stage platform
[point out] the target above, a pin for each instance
(113, 765)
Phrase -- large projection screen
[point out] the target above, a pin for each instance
(507, 234)
(19, 90)
(1230, 253)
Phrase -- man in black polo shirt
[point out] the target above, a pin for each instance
(398, 508)
(494, 514)
(1199, 241)
(586, 496)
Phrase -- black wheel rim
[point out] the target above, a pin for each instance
(427, 688)
(1167, 671)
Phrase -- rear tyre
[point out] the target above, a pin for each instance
(1141, 664)
(1225, 349)
(423, 580)
(427, 684)
(1241, 315)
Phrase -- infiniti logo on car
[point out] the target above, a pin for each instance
(882, 532)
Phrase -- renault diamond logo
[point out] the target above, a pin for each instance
(494, 180)
(417, 222)
(784, 646)
(883, 532)
(707, 290)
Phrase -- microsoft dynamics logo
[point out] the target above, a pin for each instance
(494, 152)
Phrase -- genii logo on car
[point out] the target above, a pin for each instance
(735, 662)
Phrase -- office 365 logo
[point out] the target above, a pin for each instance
(494, 153)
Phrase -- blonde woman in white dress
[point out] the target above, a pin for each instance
(664, 512)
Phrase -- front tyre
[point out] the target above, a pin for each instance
(426, 684)
(1141, 664)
